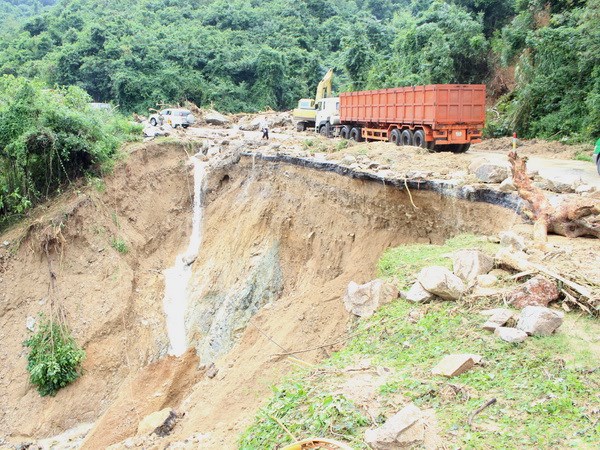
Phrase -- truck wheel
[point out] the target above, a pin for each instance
(345, 132)
(407, 137)
(395, 136)
(322, 131)
(432, 147)
(355, 134)
(301, 126)
(419, 139)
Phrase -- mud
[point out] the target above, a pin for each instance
(281, 243)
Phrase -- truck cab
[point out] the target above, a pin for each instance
(328, 115)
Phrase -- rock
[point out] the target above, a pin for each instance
(491, 172)
(418, 294)
(215, 118)
(538, 291)
(160, 423)
(559, 186)
(154, 131)
(469, 264)
(364, 300)
(441, 282)
(511, 335)
(539, 320)
(30, 324)
(585, 189)
(348, 160)
(404, 429)
(512, 239)
(453, 365)
(508, 185)
(212, 371)
(496, 320)
(487, 280)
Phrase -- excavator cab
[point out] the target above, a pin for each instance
(306, 113)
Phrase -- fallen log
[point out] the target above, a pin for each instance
(573, 218)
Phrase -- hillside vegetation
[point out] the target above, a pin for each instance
(539, 59)
(14, 12)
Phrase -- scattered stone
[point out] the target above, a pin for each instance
(559, 186)
(539, 320)
(212, 371)
(215, 118)
(441, 282)
(348, 160)
(492, 173)
(453, 365)
(487, 280)
(404, 429)
(496, 320)
(30, 324)
(6, 243)
(512, 239)
(468, 264)
(418, 294)
(364, 300)
(151, 132)
(508, 185)
(585, 189)
(538, 291)
(160, 423)
(512, 335)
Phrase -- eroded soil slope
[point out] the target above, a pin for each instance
(113, 300)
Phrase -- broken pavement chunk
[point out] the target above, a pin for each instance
(453, 365)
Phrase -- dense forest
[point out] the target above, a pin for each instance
(540, 60)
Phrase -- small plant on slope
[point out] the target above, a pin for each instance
(54, 358)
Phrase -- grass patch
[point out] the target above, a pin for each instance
(546, 388)
(402, 263)
(119, 245)
(581, 155)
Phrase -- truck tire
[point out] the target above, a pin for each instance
(419, 139)
(407, 137)
(395, 136)
(432, 147)
(322, 131)
(345, 132)
(356, 135)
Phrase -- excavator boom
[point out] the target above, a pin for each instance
(305, 113)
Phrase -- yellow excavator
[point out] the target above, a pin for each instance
(305, 114)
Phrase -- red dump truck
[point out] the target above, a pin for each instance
(437, 117)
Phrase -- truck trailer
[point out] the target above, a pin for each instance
(439, 117)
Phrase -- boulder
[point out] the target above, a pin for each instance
(405, 429)
(441, 282)
(538, 291)
(512, 239)
(215, 118)
(418, 294)
(363, 300)
(508, 185)
(539, 320)
(487, 280)
(160, 423)
(512, 335)
(453, 365)
(496, 320)
(492, 172)
(560, 186)
(469, 264)
(348, 160)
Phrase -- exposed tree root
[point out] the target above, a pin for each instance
(573, 218)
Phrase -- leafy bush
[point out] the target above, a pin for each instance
(54, 358)
(48, 137)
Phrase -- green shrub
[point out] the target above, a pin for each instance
(119, 245)
(54, 358)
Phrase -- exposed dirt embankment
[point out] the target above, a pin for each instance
(281, 243)
(323, 230)
(113, 300)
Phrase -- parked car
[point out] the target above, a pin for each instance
(597, 156)
(174, 117)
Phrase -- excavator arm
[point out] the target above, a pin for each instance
(324, 87)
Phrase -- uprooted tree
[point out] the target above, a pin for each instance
(572, 218)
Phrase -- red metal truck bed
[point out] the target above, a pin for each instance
(434, 104)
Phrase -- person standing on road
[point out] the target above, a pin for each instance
(264, 127)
